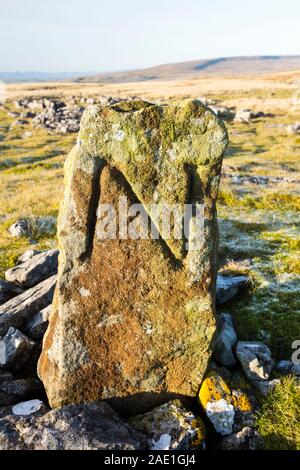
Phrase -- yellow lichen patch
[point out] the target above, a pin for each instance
(199, 438)
(241, 401)
(214, 388)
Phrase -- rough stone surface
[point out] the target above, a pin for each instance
(243, 115)
(288, 368)
(228, 287)
(93, 426)
(20, 228)
(20, 310)
(226, 403)
(12, 391)
(170, 427)
(246, 439)
(38, 325)
(132, 320)
(221, 414)
(8, 290)
(226, 341)
(36, 269)
(15, 349)
(27, 255)
(255, 359)
(265, 386)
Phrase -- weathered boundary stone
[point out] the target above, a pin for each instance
(133, 320)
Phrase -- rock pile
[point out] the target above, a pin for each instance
(227, 394)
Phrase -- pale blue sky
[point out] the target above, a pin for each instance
(103, 35)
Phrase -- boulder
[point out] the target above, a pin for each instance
(288, 368)
(93, 426)
(8, 290)
(133, 315)
(27, 255)
(293, 128)
(243, 115)
(19, 311)
(255, 359)
(13, 390)
(39, 323)
(246, 439)
(21, 228)
(170, 427)
(36, 269)
(226, 341)
(264, 387)
(227, 408)
(228, 287)
(15, 349)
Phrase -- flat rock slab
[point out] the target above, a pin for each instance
(93, 426)
(34, 270)
(18, 311)
(133, 319)
(8, 290)
(228, 287)
(15, 349)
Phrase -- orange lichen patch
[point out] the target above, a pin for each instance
(241, 401)
(214, 388)
(199, 438)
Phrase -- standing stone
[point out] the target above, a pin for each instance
(133, 319)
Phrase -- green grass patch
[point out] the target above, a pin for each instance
(279, 418)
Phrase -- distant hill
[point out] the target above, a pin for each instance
(221, 66)
(13, 77)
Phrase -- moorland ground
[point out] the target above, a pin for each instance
(258, 218)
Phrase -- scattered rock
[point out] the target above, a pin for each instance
(36, 269)
(15, 349)
(93, 426)
(255, 359)
(258, 180)
(229, 286)
(228, 409)
(243, 115)
(12, 391)
(221, 414)
(12, 114)
(59, 117)
(19, 311)
(39, 323)
(26, 408)
(223, 112)
(294, 128)
(27, 115)
(21, 228)
(265, 386)
(26, 134)
(8, 290)
(215, 397)
(27, 255)
(246, 439)
(288, 368)
(226, 341)
(19, 122)
(170, 427)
